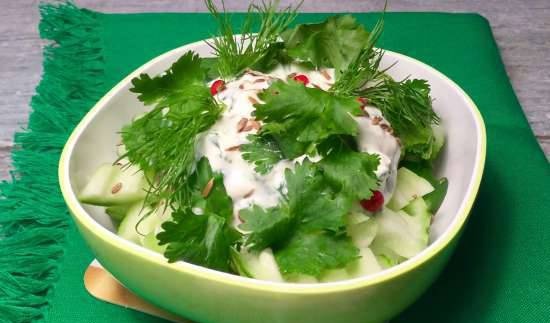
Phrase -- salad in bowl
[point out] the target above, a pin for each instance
(290, 155)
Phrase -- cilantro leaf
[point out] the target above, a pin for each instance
(262, 151)
(298, 116)
(310, 216)
(332, 43)
(185, 72)
(268, 227)
(310, 197)
(198, 239)
(312, 253)
(349, 171)
(203, 239)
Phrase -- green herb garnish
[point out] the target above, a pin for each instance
(332, 43)
(233, 55)
(262, 151)
(162, 141)
(204, 238)
(298, 117)
(309, 219)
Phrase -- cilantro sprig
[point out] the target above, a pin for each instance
(298, 117)
(262, 151)
(302, 229)
(332, 43)
(205, 238)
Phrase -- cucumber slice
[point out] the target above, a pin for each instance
(409, 186)
(367, 264)
(395, 236)
(118, 212)
(260, 265)
(151, 226)
(127, 228)
(418, 217)
(114, 185)
(363, 233)
(142, 221)
(151, 242)
(302, 279)
(388, 259)
(335, 275)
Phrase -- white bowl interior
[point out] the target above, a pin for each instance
(96, 143)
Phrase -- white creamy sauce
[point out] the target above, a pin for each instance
(220, 144)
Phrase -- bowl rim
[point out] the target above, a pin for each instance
(85, 220)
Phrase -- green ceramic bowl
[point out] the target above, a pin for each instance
(206, 295)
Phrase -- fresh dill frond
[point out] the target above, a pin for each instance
(403, 102)
(162, 142)
(364, 69)
(237, 53)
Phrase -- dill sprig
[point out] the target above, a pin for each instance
(237, 53)
(403, 102)
(406, 104)
(364, 69)
(162, 142)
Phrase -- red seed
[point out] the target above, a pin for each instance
(362, 101)
(375, 203)
(217, 86)
(301, 78)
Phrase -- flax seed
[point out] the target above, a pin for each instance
(252, 100)
(116, 188)
(207, 188)
(233, 148)
(241, 124)
(247, 195)
(325, 74)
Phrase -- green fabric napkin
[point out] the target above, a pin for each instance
(499, 273)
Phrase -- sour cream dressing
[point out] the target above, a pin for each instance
(220, 144)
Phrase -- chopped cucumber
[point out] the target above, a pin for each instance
(128, 227)
(409, 186)
(142, 221)
(388, 259)
(114, 185)
(418, 217)
(151, 242)
(118, 212)
(395, 235)
(260, 265)
(335, 275)
(363, 233)
(302, 279)
(367, 264)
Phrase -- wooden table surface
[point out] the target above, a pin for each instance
(522, 30)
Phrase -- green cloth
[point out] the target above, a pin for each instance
(499, 273)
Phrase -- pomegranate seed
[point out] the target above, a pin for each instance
(362, 101)
(301, 78)
(374, 203)
(217, 86)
